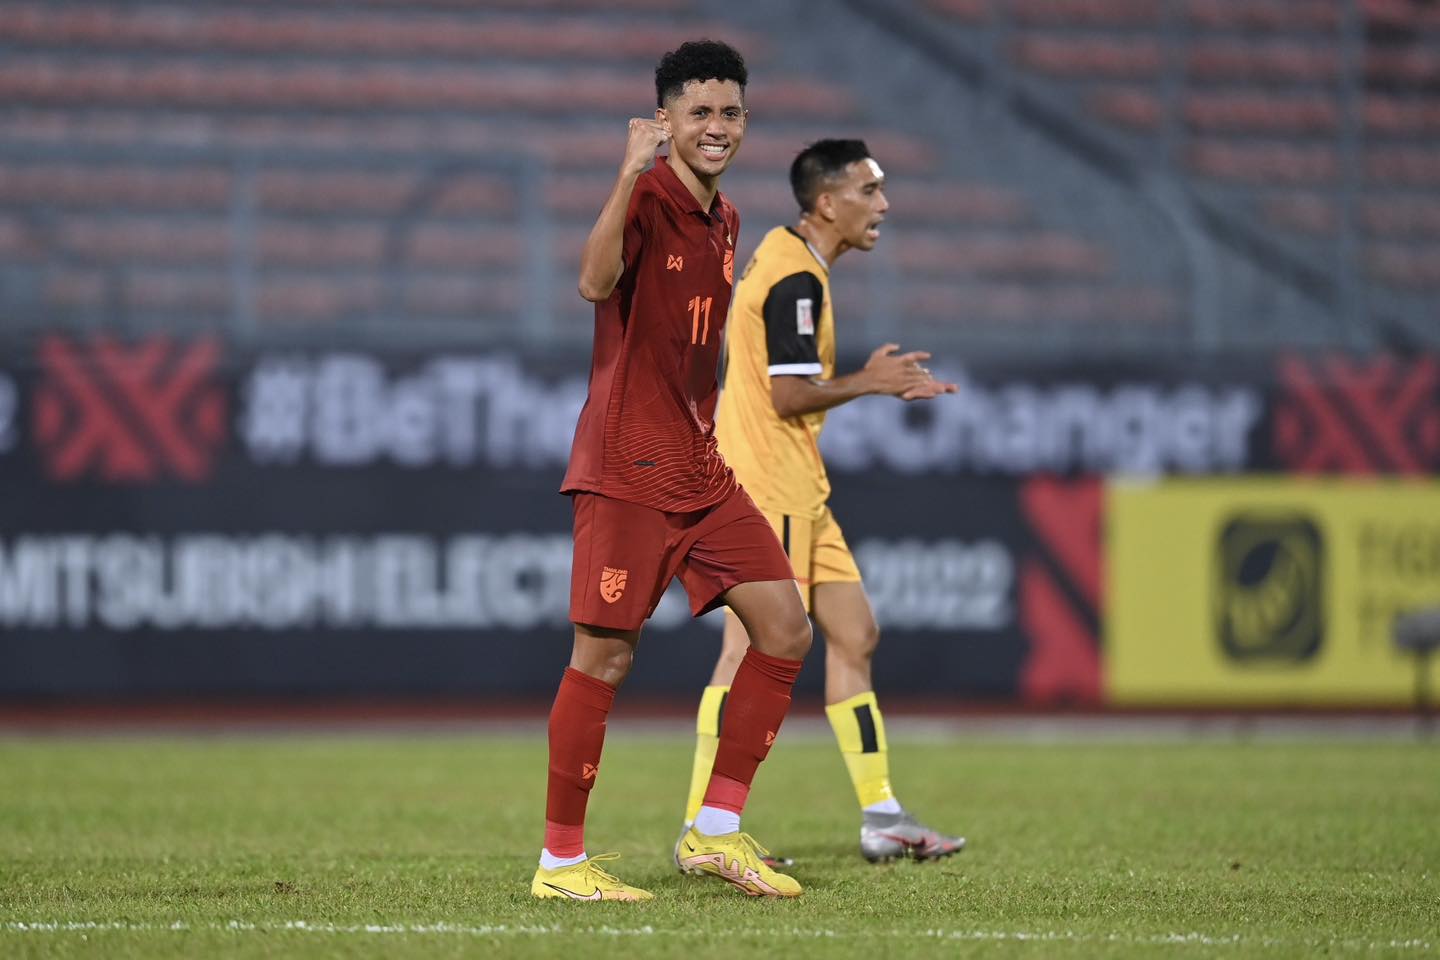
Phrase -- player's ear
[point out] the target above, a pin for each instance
(825, 207)
(662, 117)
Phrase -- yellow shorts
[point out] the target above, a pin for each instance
(817, 550)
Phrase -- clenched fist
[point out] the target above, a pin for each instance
(645, 138)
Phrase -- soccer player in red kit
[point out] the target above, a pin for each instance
(652, 497)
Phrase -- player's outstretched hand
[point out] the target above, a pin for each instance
(903, 375)
(929, 391)
(645, 138)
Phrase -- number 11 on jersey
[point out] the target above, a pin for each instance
(697, 306)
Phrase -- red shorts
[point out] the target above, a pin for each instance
(626, 555)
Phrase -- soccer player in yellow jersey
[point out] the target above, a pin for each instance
(780, 380)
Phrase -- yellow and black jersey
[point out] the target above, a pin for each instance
(780, 325)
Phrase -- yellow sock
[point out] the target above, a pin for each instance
(861, 733)
(707, 741)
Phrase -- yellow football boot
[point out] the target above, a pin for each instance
(735, 857)
(584, 881)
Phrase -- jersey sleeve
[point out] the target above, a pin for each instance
(791, 310)
(637, 228)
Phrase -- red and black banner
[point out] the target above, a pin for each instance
(1357, 416)
(189, 517)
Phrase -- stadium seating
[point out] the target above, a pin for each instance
(306, 166)
(313, 165)
(1251, 102)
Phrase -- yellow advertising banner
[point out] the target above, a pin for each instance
(1266, 591)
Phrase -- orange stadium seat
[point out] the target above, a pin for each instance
(1091, 12)
(1042, 256)
(1014, 304)
(1126, 106)
(74, 185)
(1312, 213)
(1413, 166)
(1250, 112)
(1091, 58)
(1403, 217)
(1276, 162)
(1284, 15)
(970, 11)
(1230, 60)
(1390, 115)
(1407, 266)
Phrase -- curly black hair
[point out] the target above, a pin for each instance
(698, 60)
(822, 161)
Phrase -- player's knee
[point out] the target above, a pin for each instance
(789, 638)
(608, 666)
(854, 646)
(867, 638)
(733, 644)
(614, 666)
(729, 660)
(851, 649)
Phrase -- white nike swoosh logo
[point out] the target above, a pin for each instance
(572, 894)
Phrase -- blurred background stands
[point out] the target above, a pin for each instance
(1077, 175)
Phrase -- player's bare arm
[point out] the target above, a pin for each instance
(887, 372)
(600, 262)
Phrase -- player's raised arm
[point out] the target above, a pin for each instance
(886, 372)
(601, 263)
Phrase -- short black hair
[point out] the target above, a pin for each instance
(822, 161)
(698, 60)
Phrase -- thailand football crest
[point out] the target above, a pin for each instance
(612, 583)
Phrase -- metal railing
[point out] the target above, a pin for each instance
(24, 307)
(1361, 314)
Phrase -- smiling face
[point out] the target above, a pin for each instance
(706, 121)
(855, 204)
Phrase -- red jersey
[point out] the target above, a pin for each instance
(647, 431)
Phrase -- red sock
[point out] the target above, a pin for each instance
(577, 735)
(758, 700)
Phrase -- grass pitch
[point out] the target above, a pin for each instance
(424, 846)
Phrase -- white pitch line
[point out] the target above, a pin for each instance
(523, 930)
